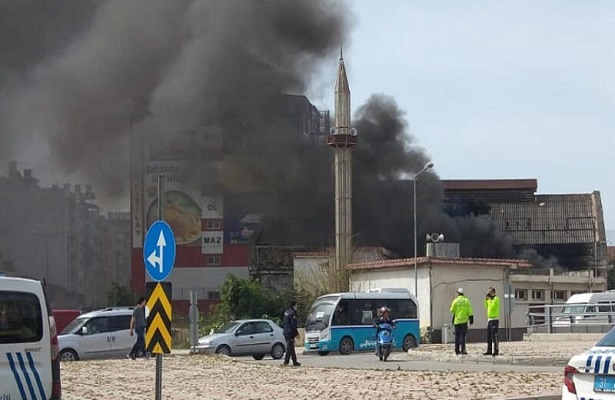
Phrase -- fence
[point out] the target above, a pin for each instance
(571, 318)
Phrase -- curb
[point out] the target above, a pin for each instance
(480, 359)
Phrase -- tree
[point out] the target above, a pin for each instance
(246, 298)
(120, 295)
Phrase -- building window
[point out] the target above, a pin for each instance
(538, 295)
(213, 260)
(213, 295)
(559, 295)
(212, 225)
(520, 294)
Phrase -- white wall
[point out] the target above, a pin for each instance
(361, 281)
(202, 279)
(307, 269)
(474, 280)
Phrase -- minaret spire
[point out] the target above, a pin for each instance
(343, 139)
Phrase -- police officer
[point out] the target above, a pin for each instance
(290, 333)
(492, 306)
(461, 308)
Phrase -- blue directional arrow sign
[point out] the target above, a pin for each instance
(159, 251)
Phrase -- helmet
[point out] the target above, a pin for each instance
(384, 309)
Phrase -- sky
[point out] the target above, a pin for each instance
(495, 89)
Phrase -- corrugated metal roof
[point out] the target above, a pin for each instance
(551, 219)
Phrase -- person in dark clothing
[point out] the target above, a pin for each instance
(384, 318)
(290, 333)
(137, 325)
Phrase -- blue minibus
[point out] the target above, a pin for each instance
(344, 322)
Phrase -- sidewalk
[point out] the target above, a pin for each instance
(541, 353)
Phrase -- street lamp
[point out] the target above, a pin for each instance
(427, 166)
(47, 235)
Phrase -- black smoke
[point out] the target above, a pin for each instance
(216, 66)
(383, 202)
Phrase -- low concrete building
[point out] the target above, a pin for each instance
(438, 280)
(536, 288)
(518, 285)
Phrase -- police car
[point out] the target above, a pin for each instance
(29, 364)
(591, 375)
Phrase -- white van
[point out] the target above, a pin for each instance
(29, 364)
(98, 334)
(588, 308)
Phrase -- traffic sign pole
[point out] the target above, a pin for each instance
(158, 355)
(159, 248)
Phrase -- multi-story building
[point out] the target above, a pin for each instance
(115, 247)
(211, 201)
(57, 234)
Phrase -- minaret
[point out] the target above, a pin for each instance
(342, 139)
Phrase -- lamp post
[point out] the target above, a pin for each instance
(427, 166)
(47, 235)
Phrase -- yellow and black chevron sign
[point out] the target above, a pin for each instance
(158, 332)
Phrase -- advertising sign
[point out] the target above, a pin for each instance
(182, 208)
(213, 207)
(212, 242)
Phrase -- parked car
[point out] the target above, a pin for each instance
(98, 334)
(255, 337)
(591, 375)
(29, 364)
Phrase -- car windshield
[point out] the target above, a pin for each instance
(574, 309)
(228, 327)
(607, 340)
(320, 315)
(70, 328)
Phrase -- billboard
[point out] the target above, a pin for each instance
(241, 230)
(185, 206)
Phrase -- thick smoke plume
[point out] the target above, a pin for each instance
(221, 66)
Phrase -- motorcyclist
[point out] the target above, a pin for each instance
(383, 319)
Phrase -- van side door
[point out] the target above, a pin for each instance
(95, 338)
(119, 331)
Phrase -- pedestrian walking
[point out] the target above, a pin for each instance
(461, 308)
(290, 333)
(137, 325)
(492, 306)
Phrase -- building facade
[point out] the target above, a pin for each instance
(552, 230)
(57, 234)
(212, 202)
(517, 284)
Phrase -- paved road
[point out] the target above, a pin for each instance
(400, 361)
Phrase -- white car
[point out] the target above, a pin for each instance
(98, 334)
(591, 375)
(252, 337)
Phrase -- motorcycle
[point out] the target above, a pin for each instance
(384, 341)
